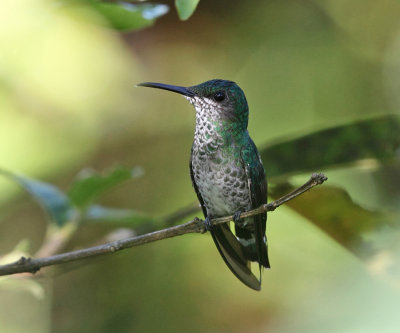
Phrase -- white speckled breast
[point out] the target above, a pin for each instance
(216, 163)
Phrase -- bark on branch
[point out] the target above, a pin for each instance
(196, 225)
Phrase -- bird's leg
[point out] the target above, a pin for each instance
(207, 223)
(236, 217)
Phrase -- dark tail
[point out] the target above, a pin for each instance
(236, 256)
(254, 241)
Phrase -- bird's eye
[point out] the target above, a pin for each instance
(219, 96)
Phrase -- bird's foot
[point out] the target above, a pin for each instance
(236, 217)
(207, 224)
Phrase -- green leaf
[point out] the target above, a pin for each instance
(186, 8)
(333, 210)
(127, 17)
(54, 202)
(371, 235)
(89, 184)
(376, 138)
(97, 213)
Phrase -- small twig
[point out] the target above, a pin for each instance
(194, 226)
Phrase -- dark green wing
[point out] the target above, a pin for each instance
(258, 192)
(229, 247)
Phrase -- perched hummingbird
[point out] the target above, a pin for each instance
(227, 173)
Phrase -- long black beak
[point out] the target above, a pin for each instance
(180, 90)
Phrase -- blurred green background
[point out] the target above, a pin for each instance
(322, 79)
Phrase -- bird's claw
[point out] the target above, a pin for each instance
(236, 217)
(207, 224)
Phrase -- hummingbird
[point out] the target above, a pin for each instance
(227, 174)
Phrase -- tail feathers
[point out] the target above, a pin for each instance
(234, 255)
(260, 238)
(252, 251)
(254, 241)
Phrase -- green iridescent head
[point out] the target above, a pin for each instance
(225, 97)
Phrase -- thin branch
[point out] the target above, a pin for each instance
(196, 225)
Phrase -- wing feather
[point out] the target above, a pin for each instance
(258, 193)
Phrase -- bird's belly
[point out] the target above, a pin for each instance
(223, 187)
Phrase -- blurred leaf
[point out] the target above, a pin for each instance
(89, 184)
(126, 16)
(387, 178)
(96, 213)
(186, 8)
(372, 235)
(376, 138)
(14, 283)
(54, 202)
(333, 210)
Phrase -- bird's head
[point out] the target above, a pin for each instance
(223, 97)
